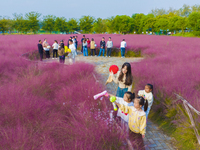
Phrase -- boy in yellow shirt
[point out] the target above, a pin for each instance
(137, 121)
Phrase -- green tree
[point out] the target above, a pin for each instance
(60, 24)
(192, 20)
(185, 10)
(126, 24)
(172, 23)
(48, 23)
(143, 22)
(72, 25)
(4, 25)
(161, 24)
(99, 25)
(21, 24)
(150, 22)
(33, 18)
(137, 23)
(109, 24)
(181, 23)
(86, 23)
(196, 8)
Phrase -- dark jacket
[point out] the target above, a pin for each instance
(40, 48)
(62, 45)
(103, 44)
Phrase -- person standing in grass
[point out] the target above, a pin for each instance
(109, 46)
(85, 50)
(92, 47)
(88, 43)
(102, 46)
(123, 47)
(147, 94)
(124, 79)
(46, 48)
(76, 38)
(73, 51)
(40, 49)
(55, 48)
(136, 122)
(61, 52)
(82, 43)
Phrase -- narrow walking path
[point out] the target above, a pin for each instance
(155, 139)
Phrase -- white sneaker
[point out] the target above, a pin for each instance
(109, 56)
(106, 56)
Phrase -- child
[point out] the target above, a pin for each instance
(55, 48)
(126, 101)
(137, 121)
(147, 94)
(124, 79)
(73, 51)
(92, 47)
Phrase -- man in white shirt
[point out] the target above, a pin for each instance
(73, 51)
(123, 46)
(46, 48)
(55, 48)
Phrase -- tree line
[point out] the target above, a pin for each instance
(187, 17)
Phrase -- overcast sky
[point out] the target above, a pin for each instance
(95, 8)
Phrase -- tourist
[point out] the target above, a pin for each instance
(102, 46)
(40, 49)
(55, 48)
(92, 47)
(124, 79)
(73, 51)
(147, 93)
(82, 43)
(137, 121)
(123, 46)
(88, 43)
(70, 38)
(46, 48)
(76, 38)
(85, 50)
(61, 52)
(109, 46)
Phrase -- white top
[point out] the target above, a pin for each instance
(147, 96)
(55, 46)
(72, 47)
(123, 44)
(120, 113)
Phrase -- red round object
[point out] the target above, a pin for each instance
(114, 69)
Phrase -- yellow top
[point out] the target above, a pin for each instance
(137, 119)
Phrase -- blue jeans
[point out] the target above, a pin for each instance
(62, 59)
(85, 51)
(101, 51)
(122, 52)
(121, 92)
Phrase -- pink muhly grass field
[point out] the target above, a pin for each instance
(51, 106)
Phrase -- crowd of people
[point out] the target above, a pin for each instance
(59, 50)
(133, 110)
(91, 45)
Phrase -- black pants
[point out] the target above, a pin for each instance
(47, 54)
(41, 56)
(55, 52)
(93, 50)
(109, 51)
(82, 48)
